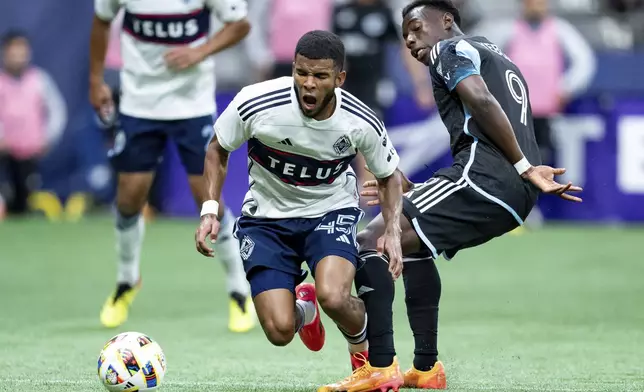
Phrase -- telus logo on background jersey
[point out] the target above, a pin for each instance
(169, 29)
(297, 169)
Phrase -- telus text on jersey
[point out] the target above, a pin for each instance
(167, 28)
(297, 169)
(162, 29)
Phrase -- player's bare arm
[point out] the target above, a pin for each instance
(489, 115)
(100, 95)
(370, 188)
(390, 196)
(215, 169)
(185, 57)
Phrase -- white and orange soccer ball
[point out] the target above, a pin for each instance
(131, 361)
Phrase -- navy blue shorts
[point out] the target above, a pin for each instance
(140, 143)
(273, 249)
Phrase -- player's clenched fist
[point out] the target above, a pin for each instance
(208, 229)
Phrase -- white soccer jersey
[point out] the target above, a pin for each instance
(150, 29)
(298, 166)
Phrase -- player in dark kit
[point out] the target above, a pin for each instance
(488, 191)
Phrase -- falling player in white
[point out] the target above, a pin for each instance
(302, 204)
(168, 92)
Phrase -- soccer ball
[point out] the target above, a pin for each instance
(131, 361)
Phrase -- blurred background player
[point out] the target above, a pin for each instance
(168, 87)
(556, 61)
(277, 26)
(33, 116)
(487, 192)
(302, 205)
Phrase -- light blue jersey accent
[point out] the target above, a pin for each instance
(465, 49)
(455, 68)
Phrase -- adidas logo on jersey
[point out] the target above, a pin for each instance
(343, 238)
(286, 142)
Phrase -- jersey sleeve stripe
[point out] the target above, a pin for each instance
(358, 103)
(346, 95)
(362, 116)
(264, 101)
(433, 54)
(262, 108)
(372, 117)
(276, 92)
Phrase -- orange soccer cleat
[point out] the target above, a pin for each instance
(369, 378)
(431, 379)
(359, 359)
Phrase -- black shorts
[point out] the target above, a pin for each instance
(452, 215)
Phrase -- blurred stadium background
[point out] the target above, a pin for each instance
(555, 309)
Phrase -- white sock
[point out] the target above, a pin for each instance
(309, 309)
(358, 338)
(227, 249)
(129, 238)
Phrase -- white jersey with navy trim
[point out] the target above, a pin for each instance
(300, 167)
(150, 29)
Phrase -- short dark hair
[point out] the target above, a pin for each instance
(12, 35)
(441, 5)
(321, 45)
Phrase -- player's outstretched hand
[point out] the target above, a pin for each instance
(543, 177)
(183, 57)
(208, 230)
(389, 244)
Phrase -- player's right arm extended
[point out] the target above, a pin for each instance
(489, 115)
(215, 170)
(229, 135)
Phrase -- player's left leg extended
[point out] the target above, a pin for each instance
(191, 139)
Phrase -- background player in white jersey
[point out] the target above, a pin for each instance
(168, 92)
(302, 204)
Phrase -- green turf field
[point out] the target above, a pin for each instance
(557, 310)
